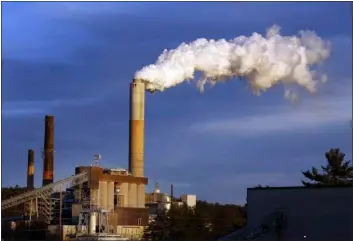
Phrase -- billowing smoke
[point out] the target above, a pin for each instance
(262, 61)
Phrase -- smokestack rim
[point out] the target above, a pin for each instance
(138, 81)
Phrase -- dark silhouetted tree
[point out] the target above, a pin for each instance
(337, 172)
(9, 192)
(158, 229)
(206, 221)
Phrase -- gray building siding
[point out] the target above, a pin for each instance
(320, 214)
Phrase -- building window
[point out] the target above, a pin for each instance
(139, 222)
(121, 200)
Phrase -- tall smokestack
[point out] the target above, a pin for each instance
(136, 128)
(48, 169)
(30, 170)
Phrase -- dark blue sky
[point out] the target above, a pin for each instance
(75, 61)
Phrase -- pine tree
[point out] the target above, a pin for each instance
(337, 172)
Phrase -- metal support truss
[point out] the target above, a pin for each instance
(85, 219)
(83, 196)
(45, 192)
(45, 208)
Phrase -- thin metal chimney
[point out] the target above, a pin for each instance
(172, 191)
(48, 152)
(30, 170)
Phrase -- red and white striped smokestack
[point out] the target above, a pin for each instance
(136, 128)
(30, 170)
(48, 152)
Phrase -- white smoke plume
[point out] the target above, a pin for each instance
(262, 61)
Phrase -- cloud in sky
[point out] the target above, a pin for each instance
(310, 113)
(21, 109)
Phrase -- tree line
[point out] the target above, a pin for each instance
(206, 221)
(8, 192)
(209, 221)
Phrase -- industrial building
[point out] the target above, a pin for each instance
(116, 191)
(119, 193)
(157, 200)
(298, 213)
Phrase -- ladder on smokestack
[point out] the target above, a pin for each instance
(44, 194)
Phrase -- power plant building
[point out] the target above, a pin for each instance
(122, 192)
(157, 201)
(297, 213)
(118, 192)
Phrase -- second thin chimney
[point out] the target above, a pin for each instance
(30, 170)
(48, 152)
(172, 191)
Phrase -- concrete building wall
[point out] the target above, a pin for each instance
(141, 195)
(129, 216)
(320, 214)
(189, 200)
(132, 195)
(124, 191)
(102, 190)
(110, 196)
(131, 232)
(69, 231)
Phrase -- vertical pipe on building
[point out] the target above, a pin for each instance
(30, 170)
(136, 128)
(48, 169)
(37, 213)
(61, 212)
